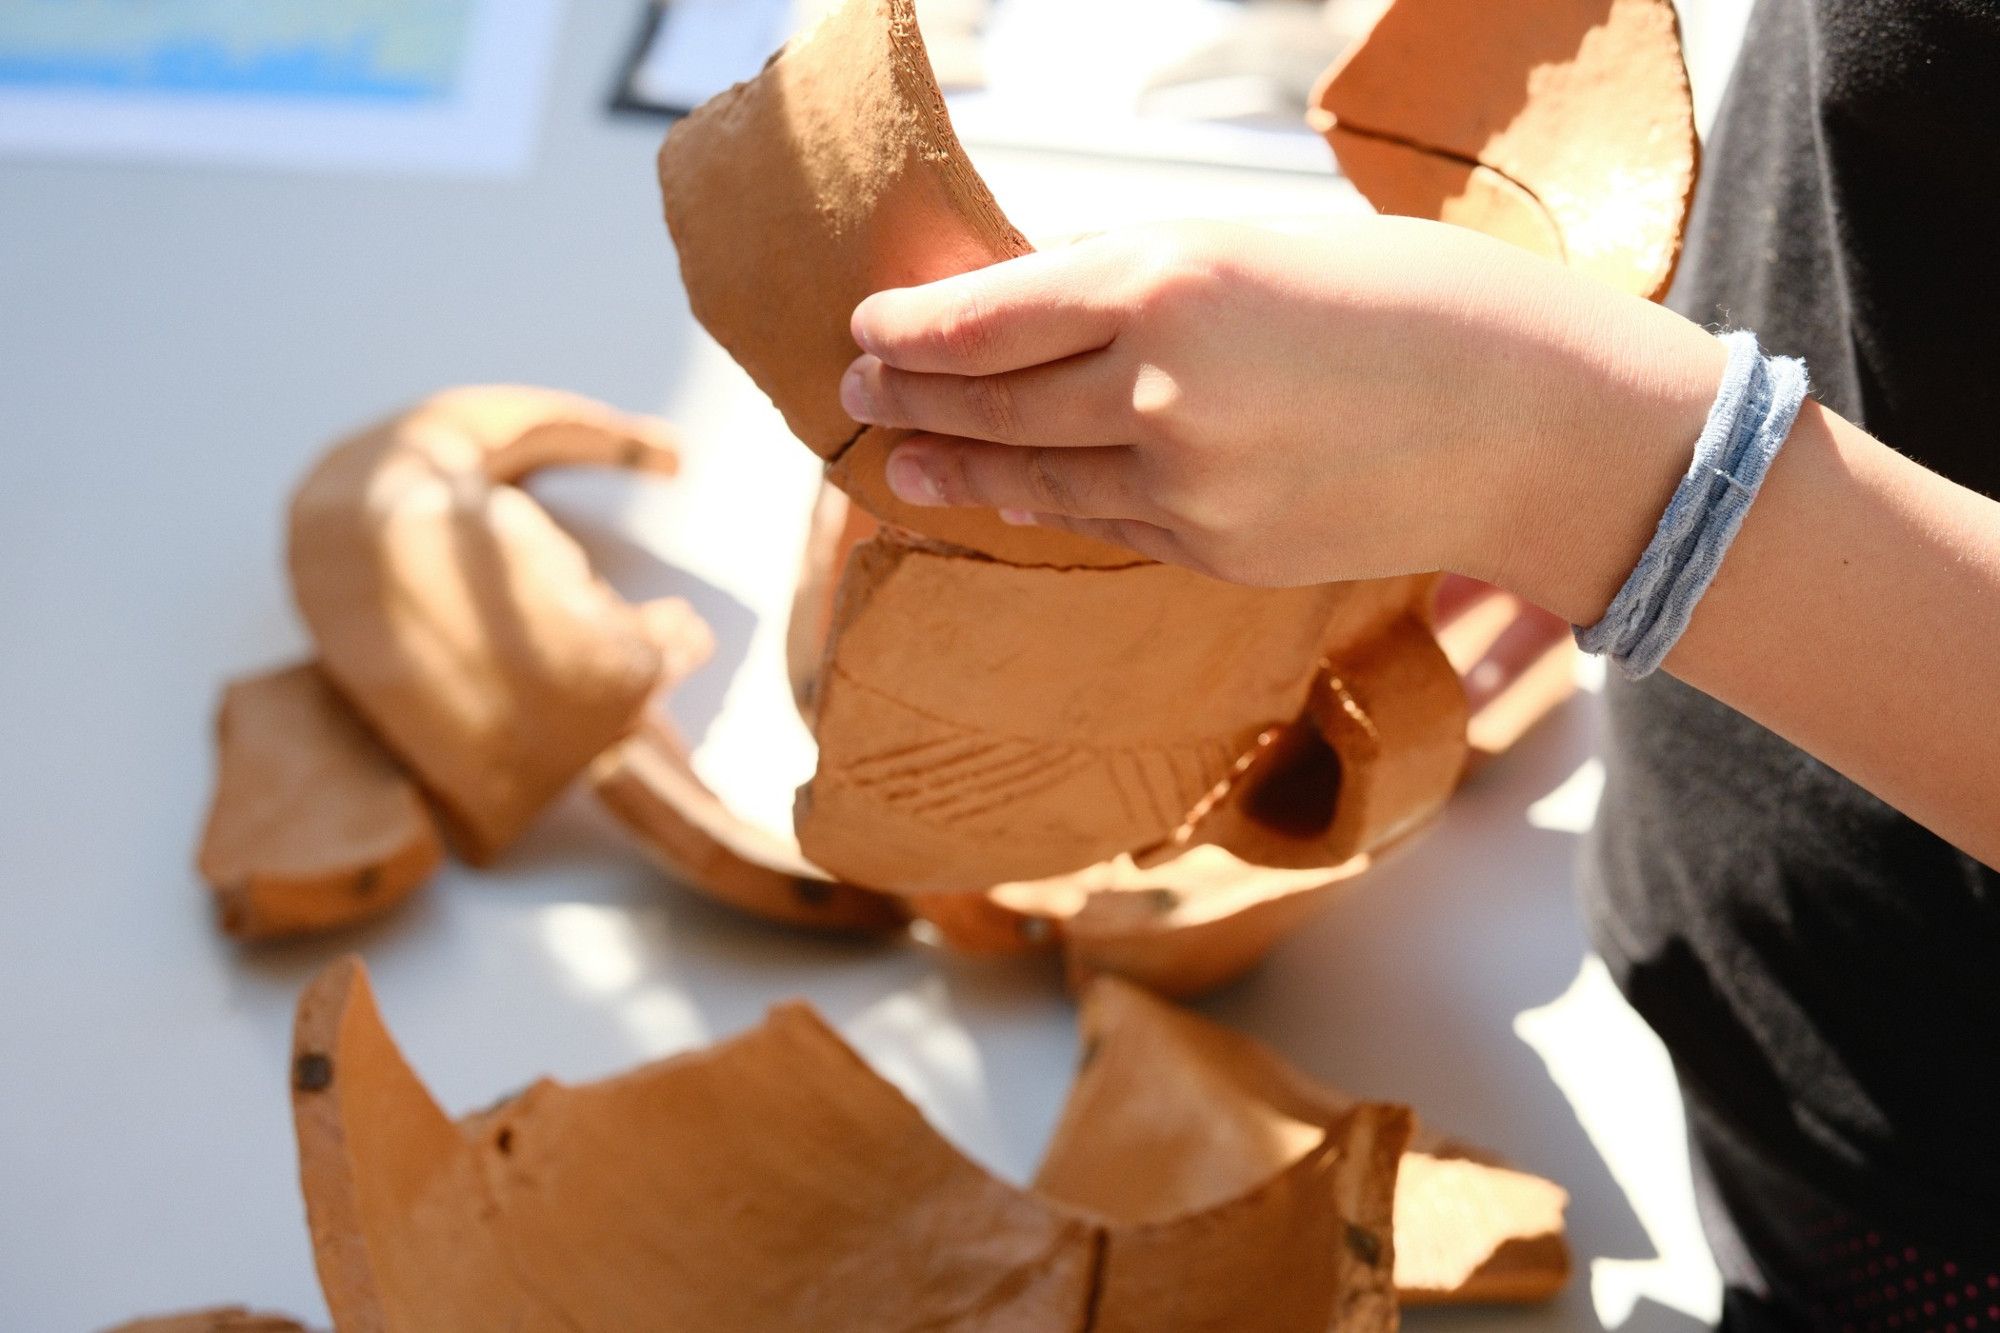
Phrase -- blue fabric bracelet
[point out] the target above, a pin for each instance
(1753, 413)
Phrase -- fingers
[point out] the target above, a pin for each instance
(1021, 312)
(1077, 483)
(1081, 400)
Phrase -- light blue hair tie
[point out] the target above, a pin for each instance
(1759, 399)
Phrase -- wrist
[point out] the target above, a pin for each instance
(1628, 392)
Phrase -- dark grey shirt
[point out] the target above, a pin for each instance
(1825, 972)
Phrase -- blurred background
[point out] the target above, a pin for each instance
(231, 232)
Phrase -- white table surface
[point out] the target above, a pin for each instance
(175, 347)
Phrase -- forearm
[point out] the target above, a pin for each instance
(1858, 616)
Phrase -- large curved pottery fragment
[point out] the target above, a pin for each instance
(773, 1181)
(1181, 926)
(463, 625)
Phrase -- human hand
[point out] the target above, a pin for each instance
(1376, 396)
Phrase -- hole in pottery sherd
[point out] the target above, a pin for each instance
(1296, 790)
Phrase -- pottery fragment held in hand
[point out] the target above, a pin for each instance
(996, 703)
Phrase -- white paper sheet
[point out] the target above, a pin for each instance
(445, 86)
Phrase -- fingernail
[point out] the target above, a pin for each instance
(1020, 518)
(854, 392)
(912, 482)
(860, 326)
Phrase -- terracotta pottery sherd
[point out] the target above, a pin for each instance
(649, 784)
(313, 824)
(1563, 126)
(772, 1182)
(1204, 1108)
(458, 619)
